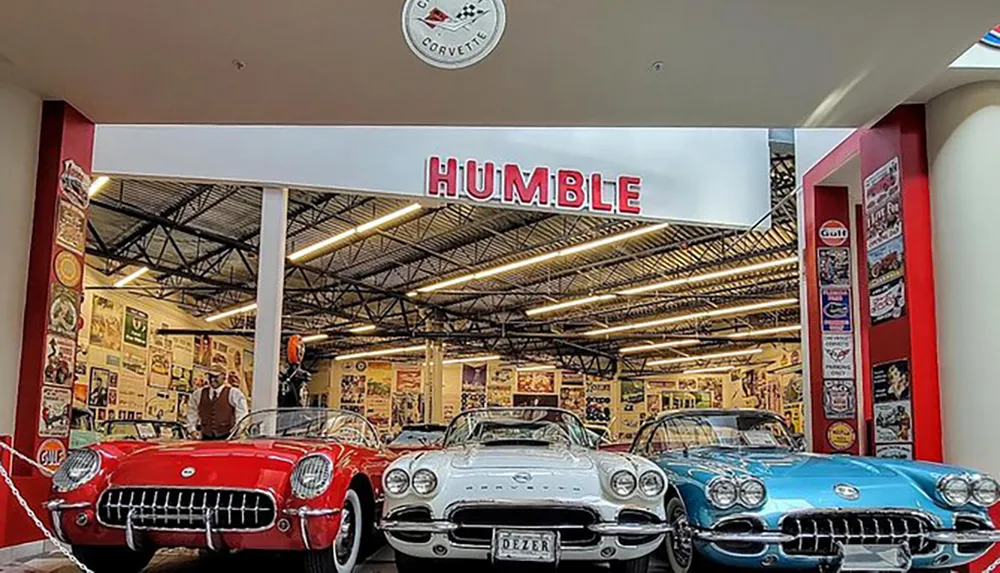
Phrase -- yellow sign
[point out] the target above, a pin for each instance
(841, 436)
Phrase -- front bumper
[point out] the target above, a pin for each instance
(609, 529)
(943, 537)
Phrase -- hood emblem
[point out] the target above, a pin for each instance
(847, 491)
(522, 477)
(187, 472)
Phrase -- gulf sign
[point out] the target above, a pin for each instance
(535, 186)
(833, 233)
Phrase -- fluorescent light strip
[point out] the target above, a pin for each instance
(535, 368)
(96, 185)
(315, 337)
(232, 312)
(383, 352)
(362, 329)
(712, 276)
(569, 304)
(471, 359)
(767, 331)
(127, 279)
(650, 347)
(699, 358)
(663, 285)
(363, 228)
(540, 258)
(746, 309)
(710, 370)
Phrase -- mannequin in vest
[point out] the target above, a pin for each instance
(214, 409)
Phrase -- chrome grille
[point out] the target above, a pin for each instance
(186, 509)
(820, 533)
(477, 522)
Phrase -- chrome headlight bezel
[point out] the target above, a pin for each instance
(981, 483)
(624, 478)
(713, 487)
(745, 487)
(424, 481)
(318, 467)
(79, 467)
(946, 494)
(656, 479)
(396, 472)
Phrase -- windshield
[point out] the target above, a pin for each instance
(141, 430)
(418, 437)
(307, 424)
(516, 426)
(722, 429)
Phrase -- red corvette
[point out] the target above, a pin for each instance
(306, 480)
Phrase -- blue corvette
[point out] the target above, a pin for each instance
(742, 495)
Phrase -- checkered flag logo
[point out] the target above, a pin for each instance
(469, 11)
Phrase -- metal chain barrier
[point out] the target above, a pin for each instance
(66, 551)
(992, 566)
(44, 470)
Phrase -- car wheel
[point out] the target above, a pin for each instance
(681, 554)
(342, 556)
(637, 565)
(409, 564)
(112, 559)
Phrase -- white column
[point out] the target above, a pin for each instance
(437, 381)
(270, 290)
(964, 162)
(20, 119)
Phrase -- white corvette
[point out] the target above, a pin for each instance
(523, 484)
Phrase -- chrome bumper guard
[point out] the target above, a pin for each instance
(304, 514)
(55, 508)
(612, 528)
(773, 537)
(133, 536)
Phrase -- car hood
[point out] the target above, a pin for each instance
(526, 457)
(777, 464)
(238, 464)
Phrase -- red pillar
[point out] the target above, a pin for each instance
(902, 333)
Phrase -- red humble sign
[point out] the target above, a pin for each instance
(509, 184)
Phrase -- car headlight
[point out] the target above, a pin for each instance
(722, 492)
(397, 481)
(752, 492)
(955, 490)
(985, 491)
(424, 481)
(312, 476)
(651, 483)
(79, 468)
(623, 483)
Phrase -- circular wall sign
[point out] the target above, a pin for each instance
(51, 454)
(833, 233)
(68, 269)
(453, 34)
(841, 436)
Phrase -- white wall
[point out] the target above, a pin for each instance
(20, 117)
(962, 128)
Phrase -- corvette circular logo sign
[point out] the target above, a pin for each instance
(833, 233)
(453, 34)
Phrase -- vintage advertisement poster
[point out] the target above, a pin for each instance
(64, 310)
(893, 422)
(882, 204)
(134, 361)
(131, 393)
(835, 307)
(887, 301)
(106, 324)
(81, 391)
(180, 378)
(136, 327)
(71, 228)
(54, 414)
(203, 350)
(885, 262)
(526, 400)
(598, 402)
(633, 391)
(894, 451)
(891, 381)
(161, 405)
(60, 355)
(536, 382)
(572, 379)
(183, 399)
(407, 408)
(834, 267)
(100, 383)
(408, 380)
(500, 387)
(159, 367)
(473, 386)
(838, 356)
(352, 389)
(68, 269)
(574, 399)
(839, 399)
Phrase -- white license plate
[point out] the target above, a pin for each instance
(519, 545)
(875, 558)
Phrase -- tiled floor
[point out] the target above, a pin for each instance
(182, 561)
